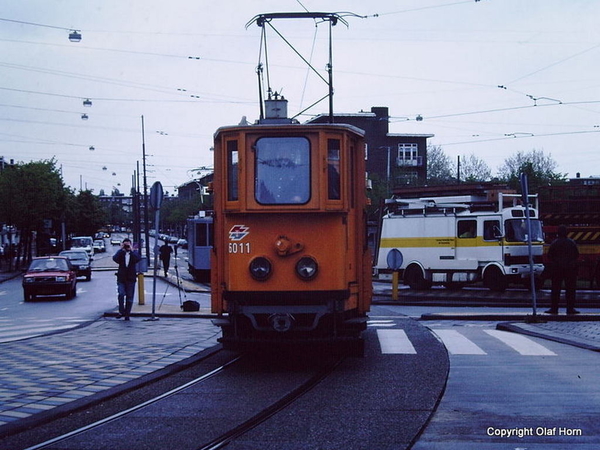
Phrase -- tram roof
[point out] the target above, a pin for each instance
(294, 127)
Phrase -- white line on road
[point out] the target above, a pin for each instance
(521, 344)
(457, 344)
(395, 342)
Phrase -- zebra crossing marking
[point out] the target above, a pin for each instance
(13, 331)
(520, 343)
(457, 344)
(395, 342)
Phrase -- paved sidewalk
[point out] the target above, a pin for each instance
(39, 376)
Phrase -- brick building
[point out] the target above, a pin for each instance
(401, 159)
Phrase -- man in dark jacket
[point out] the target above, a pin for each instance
(127, 259)
(563, 255)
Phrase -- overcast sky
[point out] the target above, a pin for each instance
(489, 77)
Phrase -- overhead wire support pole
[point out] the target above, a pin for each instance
(332, 18)
(330, 70)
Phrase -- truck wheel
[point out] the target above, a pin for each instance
(414, 278)
(494, 280)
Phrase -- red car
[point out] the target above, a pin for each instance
(49, 275)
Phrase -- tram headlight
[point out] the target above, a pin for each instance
(307, 268)
(260, 268)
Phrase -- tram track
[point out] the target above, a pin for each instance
(270, 411)
(269, 387)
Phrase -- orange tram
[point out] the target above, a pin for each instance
(290, 262)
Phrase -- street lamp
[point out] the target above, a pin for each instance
(87, 102)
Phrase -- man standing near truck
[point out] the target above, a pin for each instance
(563, 255)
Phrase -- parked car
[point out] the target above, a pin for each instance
(49, 275)
(183, 243)
(80, 262)
(115, 241)
(99, 246)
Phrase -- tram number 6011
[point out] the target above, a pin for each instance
(239, 247)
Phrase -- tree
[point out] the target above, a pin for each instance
(34, 200)
(474, 169)
(175, 211)
(88, 214)
(540, 170)
(440, 168)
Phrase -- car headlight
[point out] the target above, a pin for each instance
(84, 267)
(307, 268)
(60, 279)
(260, 268)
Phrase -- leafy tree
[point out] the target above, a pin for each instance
(175, 211)
(539, 167)
(34, 196)
(440, 168)
(473, 168)
(89, 215)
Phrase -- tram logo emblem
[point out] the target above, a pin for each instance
(238, 232)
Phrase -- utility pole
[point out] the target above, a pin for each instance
(146, 232)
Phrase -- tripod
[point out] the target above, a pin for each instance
(179, 286)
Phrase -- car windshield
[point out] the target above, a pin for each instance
(516, 230)
(48, 265)
(81, 242)
(75, 255)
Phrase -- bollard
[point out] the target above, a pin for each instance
(141, 296)
(395, 285)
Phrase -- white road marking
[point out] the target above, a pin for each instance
(457, 344)
(395, 342)
(520, 343)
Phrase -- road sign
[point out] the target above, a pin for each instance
(156, 195)
(394, 259)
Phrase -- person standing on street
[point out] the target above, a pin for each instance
(127, 259)
(165, 251)
(563, 255)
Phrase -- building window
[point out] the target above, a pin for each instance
(407, 178)
(408, 155)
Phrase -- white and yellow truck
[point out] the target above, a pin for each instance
(457, 240)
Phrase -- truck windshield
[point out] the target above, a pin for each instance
(516, 230)
(282, 170)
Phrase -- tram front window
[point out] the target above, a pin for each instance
(282, 170)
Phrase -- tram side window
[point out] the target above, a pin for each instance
(467, 229)
(201, 240)
(333, 169)
(232, 171)
(282, 170)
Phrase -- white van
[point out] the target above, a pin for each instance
(83, 242)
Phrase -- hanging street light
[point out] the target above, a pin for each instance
(74, 36)
(87, 102)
